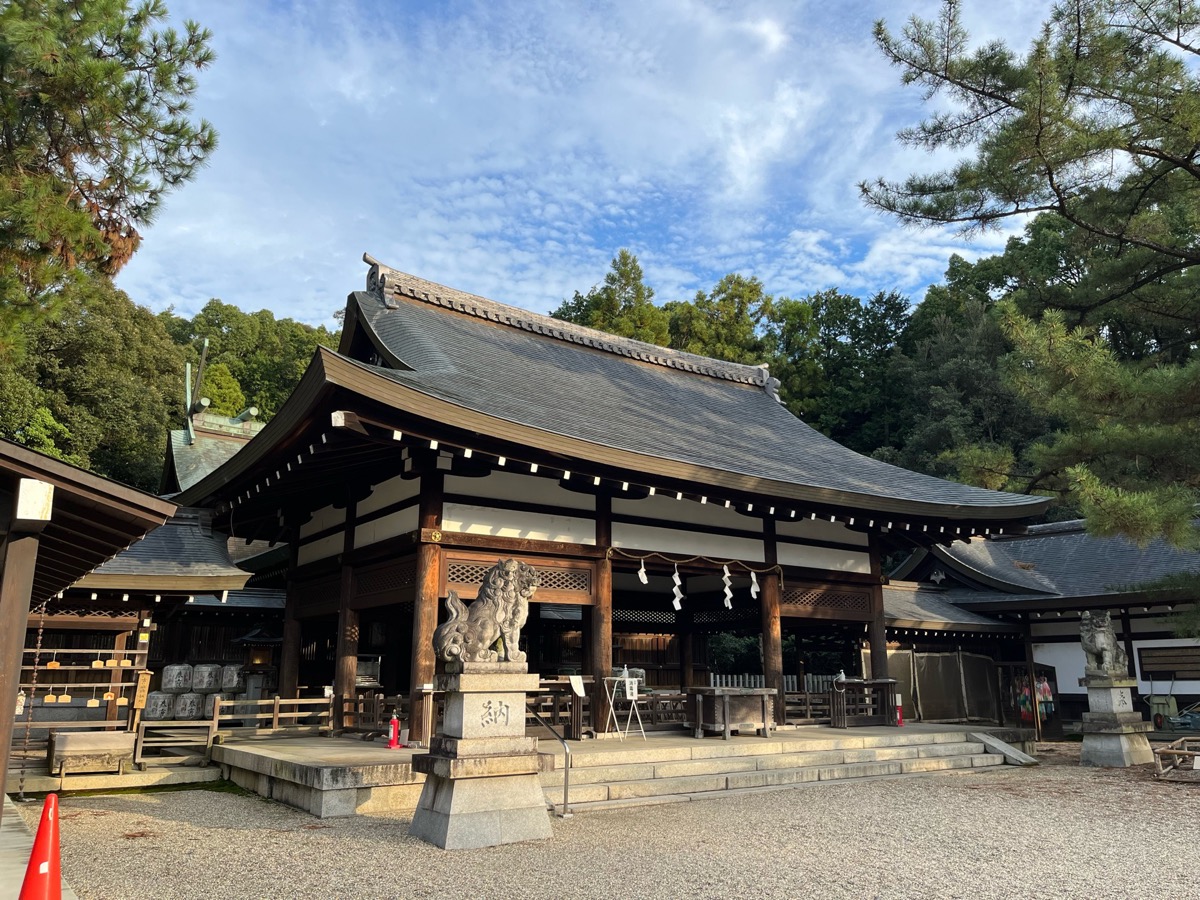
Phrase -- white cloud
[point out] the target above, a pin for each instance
(511, 148)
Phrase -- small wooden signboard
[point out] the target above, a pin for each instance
(143, 689)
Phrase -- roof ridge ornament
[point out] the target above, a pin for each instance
(385, 283)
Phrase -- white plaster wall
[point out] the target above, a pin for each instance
(501, 485)
(322, 519)
(820, 530)
(688, 513)
(1069, 661)
(509, 523)
(394, 490)
(385, 527)
(686, 543)
(325, 547)
(824, 558)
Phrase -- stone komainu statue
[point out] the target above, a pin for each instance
(489, 630)
(1105, 656)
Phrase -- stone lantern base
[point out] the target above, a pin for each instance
(481, 773)
(1113, 733)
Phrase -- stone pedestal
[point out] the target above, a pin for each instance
(1113, 732)
(481, 787)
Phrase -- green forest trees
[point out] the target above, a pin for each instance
(1097, 127)
(253, 358)
(96, 129)
(621, 305)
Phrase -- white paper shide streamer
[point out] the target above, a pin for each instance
(753, 585)
(678, 593)
(728, 582)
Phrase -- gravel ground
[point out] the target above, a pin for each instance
(1054, 831)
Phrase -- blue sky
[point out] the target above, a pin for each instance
(511, 148)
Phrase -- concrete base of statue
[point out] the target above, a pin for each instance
(1114, 734)
(481, 786)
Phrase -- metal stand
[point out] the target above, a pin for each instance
(631, 694)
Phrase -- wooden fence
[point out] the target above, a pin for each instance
(813, 684)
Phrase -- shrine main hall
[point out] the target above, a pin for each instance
(655, 492)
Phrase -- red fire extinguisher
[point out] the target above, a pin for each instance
(899, 711)
(394, 733)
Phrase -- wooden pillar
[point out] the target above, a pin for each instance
(289, 651)
(425, 604)
(687, 650)
(32, 499)
(1127, 638)
(345, 672)
(1030, 666)
(117, 676)
(770, 598)
(876, 628)
(601, 615)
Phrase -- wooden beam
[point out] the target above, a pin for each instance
(511, 545)
(425, 603)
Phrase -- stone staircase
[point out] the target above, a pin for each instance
(657, 771)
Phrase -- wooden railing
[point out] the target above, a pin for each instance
(808, 708)
(813, 684)
(276, 715)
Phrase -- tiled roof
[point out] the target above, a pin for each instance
(247, 598)
(905, 606)
(1062, 560)
(183, 554)
(624, 395)
(385, 282)
(192, 461)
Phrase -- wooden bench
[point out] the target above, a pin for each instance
(89, 752)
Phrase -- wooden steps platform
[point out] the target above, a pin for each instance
(678, 769)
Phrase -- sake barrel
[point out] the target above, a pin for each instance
(177, 678)
(160, 706)
(233, 679)
(206, 678)
(189, 706)
(209, 703)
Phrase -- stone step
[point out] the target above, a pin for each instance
(595, 795)
(595, 769)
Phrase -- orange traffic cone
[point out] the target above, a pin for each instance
(43, 877)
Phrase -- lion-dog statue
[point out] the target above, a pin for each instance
(489, 630)
(1105, 656)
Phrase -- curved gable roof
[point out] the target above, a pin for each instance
(623, 395)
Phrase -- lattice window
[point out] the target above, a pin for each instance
(389, 579)
(712, 616)
(823, 598)
(466, 572)
(566, 580)
(646, 616)
(553, 578)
